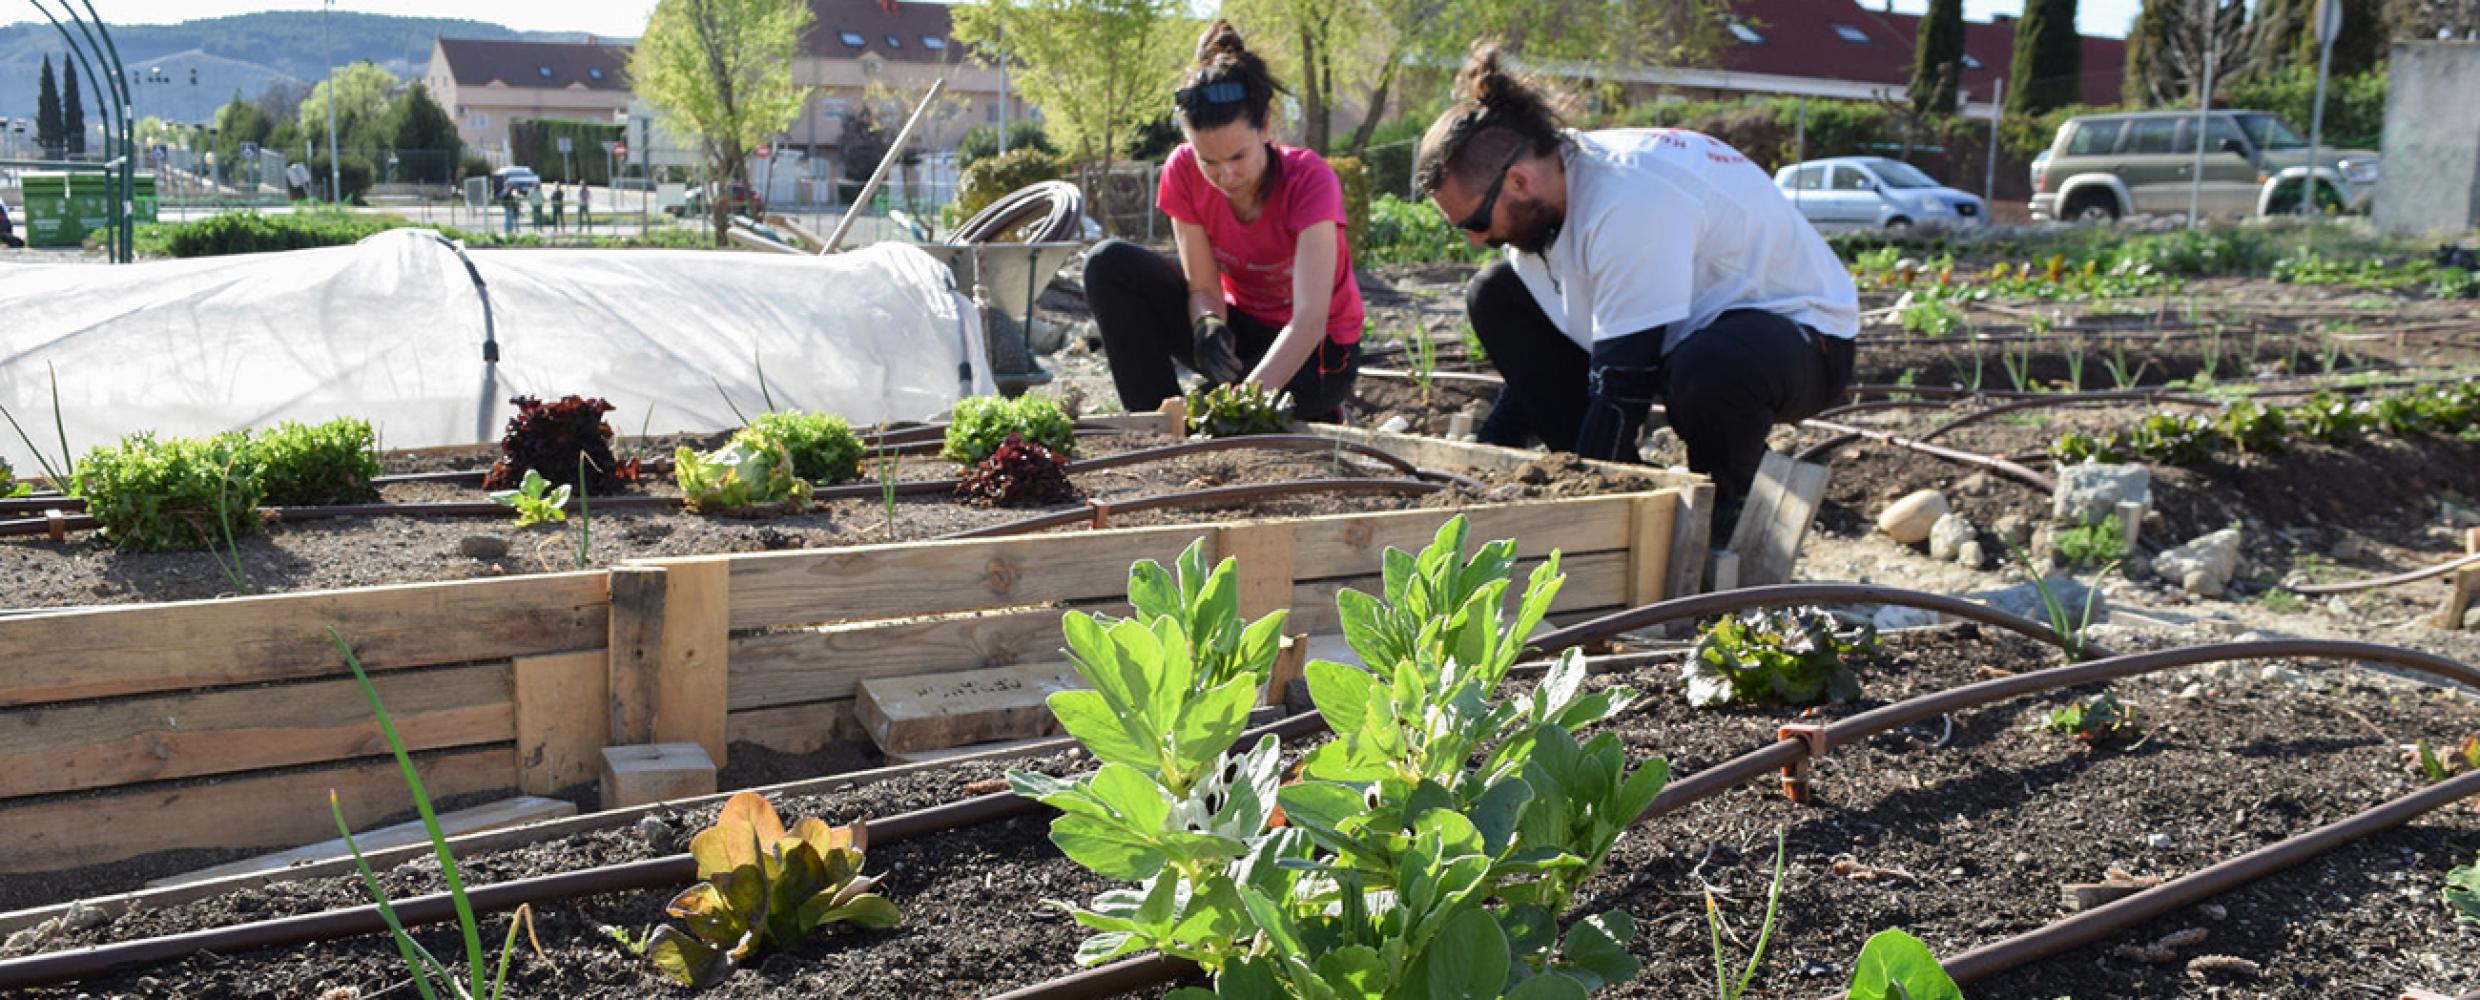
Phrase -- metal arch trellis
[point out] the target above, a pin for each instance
(119, 113)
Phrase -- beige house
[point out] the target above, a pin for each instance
(488, 84)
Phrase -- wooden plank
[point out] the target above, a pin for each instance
(806, 728)
(1467, 456)
(247, 640)
(923, 578)
(1341, 545)
(785, 668)
(636, 652)
(1649, 547)
(1692, 532)
(270, 811)
(90, 745)
(1595, 580)
(696, 648)
(1264, 554)
(488, 816)
(1768, 536)
(1290, 662)
(562, 719)
(957, 708)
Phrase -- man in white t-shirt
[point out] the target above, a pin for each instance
(1641, 263)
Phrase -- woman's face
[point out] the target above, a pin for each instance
(1232, 156)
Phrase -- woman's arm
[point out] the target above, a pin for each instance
(1205, 280)
(1313, 296)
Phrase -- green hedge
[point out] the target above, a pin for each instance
(1355, 179)
(535, 143)
(312, 226)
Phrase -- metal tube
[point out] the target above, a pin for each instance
(2397, 579)
(895, 151)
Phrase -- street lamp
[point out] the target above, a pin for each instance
(335, 157)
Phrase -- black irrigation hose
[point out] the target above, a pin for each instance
(1099, 513)
(2398, 579)
(1057, 205)
(678, 869)
(1778, 595)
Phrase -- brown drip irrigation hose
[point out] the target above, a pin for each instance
(2398, 579)
(1994, 464)
(678, 869)
(1099, 514)
(1776, 595)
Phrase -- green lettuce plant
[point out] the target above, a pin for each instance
(2092, 720)
(1225, 411)
(1897, 966)
(751, 471)
(1789, 656)
(1430, 850)
(824, 448)
(763, 887)
(172, 494)
(535, 500)
(10, 488)
(309, 464)
(981, 423)
(2462, 892)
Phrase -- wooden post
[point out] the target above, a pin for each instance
(2466, 588)
(1289, 665)
(1692, 534)
(1264, 553)
(560, 732)
(669, 631)
(1781, 505)
(1652, 521)
(1174, 413)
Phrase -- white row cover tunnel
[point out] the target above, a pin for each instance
(392, 330)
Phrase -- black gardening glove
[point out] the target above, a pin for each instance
(1626, 376)
(1217, 351)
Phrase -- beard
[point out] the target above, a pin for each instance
(1532, 226)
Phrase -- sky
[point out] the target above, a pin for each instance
(626, 18)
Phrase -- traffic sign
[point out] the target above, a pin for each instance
(2328, 21)
(763, 151)
(620, 149)
(567, 144)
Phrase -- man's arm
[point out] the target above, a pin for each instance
(1626, 375)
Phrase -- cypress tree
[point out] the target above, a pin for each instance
(47, 113)
(72, 111)
(2048, 69)
(1937, 66)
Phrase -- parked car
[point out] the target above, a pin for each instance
(513, 179)
(1873, 192)
(2104, 167)
(744, 201)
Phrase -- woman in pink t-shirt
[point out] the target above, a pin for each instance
(1263, 289)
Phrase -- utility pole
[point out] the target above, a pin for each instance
(2328, 28)
(1997, 114)
(2204, 113)
(1003, 91)
(335, 156)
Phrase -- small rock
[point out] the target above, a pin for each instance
(2157, 841)
(2345, 548)
(1511, 491)
(1975, 485)
(2137, 567)
(1948, 533)
(81, 916)
(2278, 674)
(1908, 520)
(2214, 911)
(2091, 492)
(483, 547)
(2013, 529)
(654, 829)
(1971, 555)
(1396, 424)
(2202, 566)
(1893, 616)
(2337, 607)
(2193, 691)
(26, 941)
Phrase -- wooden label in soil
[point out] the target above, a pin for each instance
(937, 711)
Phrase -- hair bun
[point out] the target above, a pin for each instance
(1220, 39)
(1485, 78)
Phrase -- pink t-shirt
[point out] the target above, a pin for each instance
(1256, 257)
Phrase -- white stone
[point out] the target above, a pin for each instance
(1893, 616)
(1971, 555)
(2202, 566)
(1909, 519)
(1396, 424)
(2157, 841)
(1947, 535)
(2091, 492)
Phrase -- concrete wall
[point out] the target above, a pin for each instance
(2431, 180)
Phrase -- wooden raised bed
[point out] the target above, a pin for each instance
(220, 724)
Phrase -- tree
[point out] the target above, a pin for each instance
(1307, 39)
(47, 114)
(417, 125)
(2048, 69)
(2171, 42)
(721, 70)
(2282, 35)
(238, 122)
(1094, 67)
(1937, 66)
(363, 88)
(72, 111)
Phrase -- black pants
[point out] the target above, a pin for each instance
(1725, 386)
(1140, 303)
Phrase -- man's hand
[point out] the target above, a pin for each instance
(1217, 351)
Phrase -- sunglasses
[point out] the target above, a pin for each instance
(1479, 221)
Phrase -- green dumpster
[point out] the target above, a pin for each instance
(62, 208)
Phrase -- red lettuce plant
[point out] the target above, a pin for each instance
(550, 438)
(1018, 473)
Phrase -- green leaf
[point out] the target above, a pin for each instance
(1341, 694)
(1598, 944)
(1152, 590)
(1096, 658)
(866, 910)
(1324, 806)
(1365, 629)
(1106, 946)
(1548, 987)
(1355, 972)
(1498, 811)
(1141, 804)
(2462, 892)
(1467, 960)
(1212, 723)
(1109, 849)
(1897, 966)
(1109, 736)
(687, 960)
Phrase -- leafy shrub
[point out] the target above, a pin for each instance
(356, 174)
(2092, 720)
(1018, 474)
(982, 142)
(472, 165)
(171, 495)
(2201, 252)
(763, 888)
(2098, 544)
(1237, 411)
(550, 438)
(749, 474)
(992, 178)
(2462, 892)
(2251, 426)
(307, 464)
(2331, 419)
(1932, 319)
(1430, 850)
(2078, 447)
(1354, 177)
(1412, 232)
(980, 423)
(535, 500)
(1787, 656)
(824, 448)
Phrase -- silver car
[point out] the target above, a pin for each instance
(1873, 192)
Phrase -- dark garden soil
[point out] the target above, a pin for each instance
(1968, 833)
(368, 551)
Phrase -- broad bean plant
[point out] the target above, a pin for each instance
(1429, 851)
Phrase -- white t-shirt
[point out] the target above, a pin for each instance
(1670, 228)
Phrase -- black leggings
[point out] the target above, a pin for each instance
(1140, 303)
(1724, 387)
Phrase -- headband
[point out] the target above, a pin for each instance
(1224, 92)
